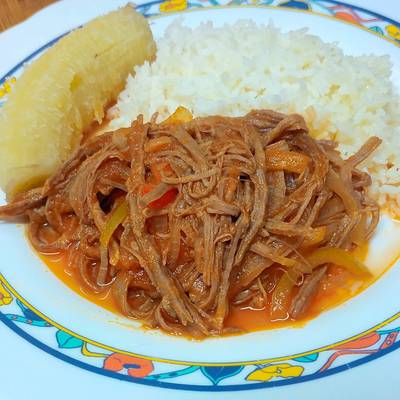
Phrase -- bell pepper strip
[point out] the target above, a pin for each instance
(291, 161)
(116, 218)
(157, 144)
(179, 116)
(167, 198)
(338, 257)
(156, 170)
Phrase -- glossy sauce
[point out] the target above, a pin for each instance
(337, 286)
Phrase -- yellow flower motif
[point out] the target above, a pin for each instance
(275, 371)
(173, 5)
(5, 297)
(6, 87)
(393, 31)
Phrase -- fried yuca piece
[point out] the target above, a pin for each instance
(61, 93)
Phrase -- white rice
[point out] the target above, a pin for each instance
(236, 68)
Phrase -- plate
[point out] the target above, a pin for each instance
(106, 354)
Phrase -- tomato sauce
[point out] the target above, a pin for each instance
(337, 286)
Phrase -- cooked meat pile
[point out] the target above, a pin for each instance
(183, 220)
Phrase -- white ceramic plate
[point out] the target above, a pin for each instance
(71, 347)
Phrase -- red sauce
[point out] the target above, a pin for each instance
(338, 286)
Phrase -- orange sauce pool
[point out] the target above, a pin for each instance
(338, 286)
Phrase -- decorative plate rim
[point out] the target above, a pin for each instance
(272, 7)
(44, 317)
(387, 345)
(369, 353)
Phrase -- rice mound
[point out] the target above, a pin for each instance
(232, 69)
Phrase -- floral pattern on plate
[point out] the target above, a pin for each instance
(65, 344)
